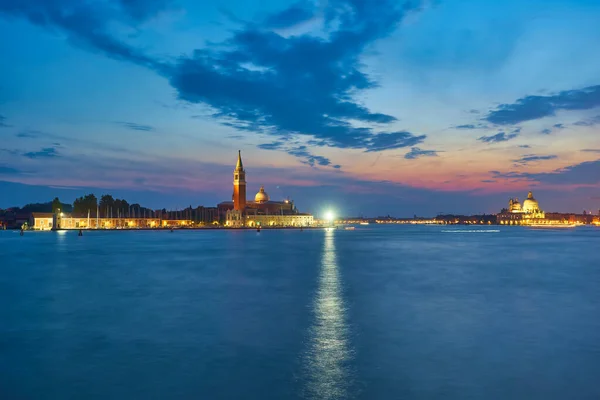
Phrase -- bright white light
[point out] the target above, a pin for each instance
(329, 216)
(62, 215)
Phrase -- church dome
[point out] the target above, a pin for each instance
(261, 196)
(530, 204)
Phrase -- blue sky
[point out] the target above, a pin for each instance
(404, 107)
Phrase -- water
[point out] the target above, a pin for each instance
(381, 312)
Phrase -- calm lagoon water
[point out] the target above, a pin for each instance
(382, 312)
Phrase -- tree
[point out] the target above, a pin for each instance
(106, 204)
(84, 204)
(56, 205)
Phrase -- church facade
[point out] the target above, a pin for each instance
(262, 211)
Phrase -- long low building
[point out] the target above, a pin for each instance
(49, 221)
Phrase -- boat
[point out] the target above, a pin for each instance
(364, 223)
(349, 228)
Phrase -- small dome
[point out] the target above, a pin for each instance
(261, 196)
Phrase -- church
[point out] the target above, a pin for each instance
(516, 214)
(262, 211)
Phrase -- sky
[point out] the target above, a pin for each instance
(367, 107)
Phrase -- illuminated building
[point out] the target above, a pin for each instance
(526, 214)
(262, 211)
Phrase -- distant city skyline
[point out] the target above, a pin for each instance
(367, 107)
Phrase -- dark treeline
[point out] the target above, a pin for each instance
(48, 207)
(109, 207)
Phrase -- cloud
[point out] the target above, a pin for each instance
(244, 78)
(586, 173)
(136, 127)
(318, 77)
(591, 150)
(471, 126)
(2, 122)
(548, 131)
(392, 140)
(535, 107)
(489, 181)
(525, 146)
(295, 14)
(529, 158)
(271, 146)
(309, 159)
(86, 23)
(416, 152)
(589, 122)
(48, 152)
(29, 134)
(9, 170)
(499, 137)
(301, 152)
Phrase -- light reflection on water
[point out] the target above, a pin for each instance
(328, 356)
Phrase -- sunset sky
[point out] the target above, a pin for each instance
(369, 107)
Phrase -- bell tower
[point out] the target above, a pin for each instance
(239, 185)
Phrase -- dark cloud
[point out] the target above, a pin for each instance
(317, 78)
(258, 80)
(529, 158)
(86, 23)
(586, 173)
(489, 181)
(499, 137)
(548, 131)
(2, 122)
(291, 16)
(271, 146)
(48, 152)
(308, 158)
(471, 126)
(589, 122)
(9, 170)
(29, 134)
(535, 107)
(591, 150)
(513, 176)
(302, 152)
(416, 152)
(525, 146)
(136, 127)
(393, 140)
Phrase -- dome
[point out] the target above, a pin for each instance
(530, 204)
(261, 196)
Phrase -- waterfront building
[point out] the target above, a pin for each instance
(262, 211)
(49, 221)
(526, 214)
